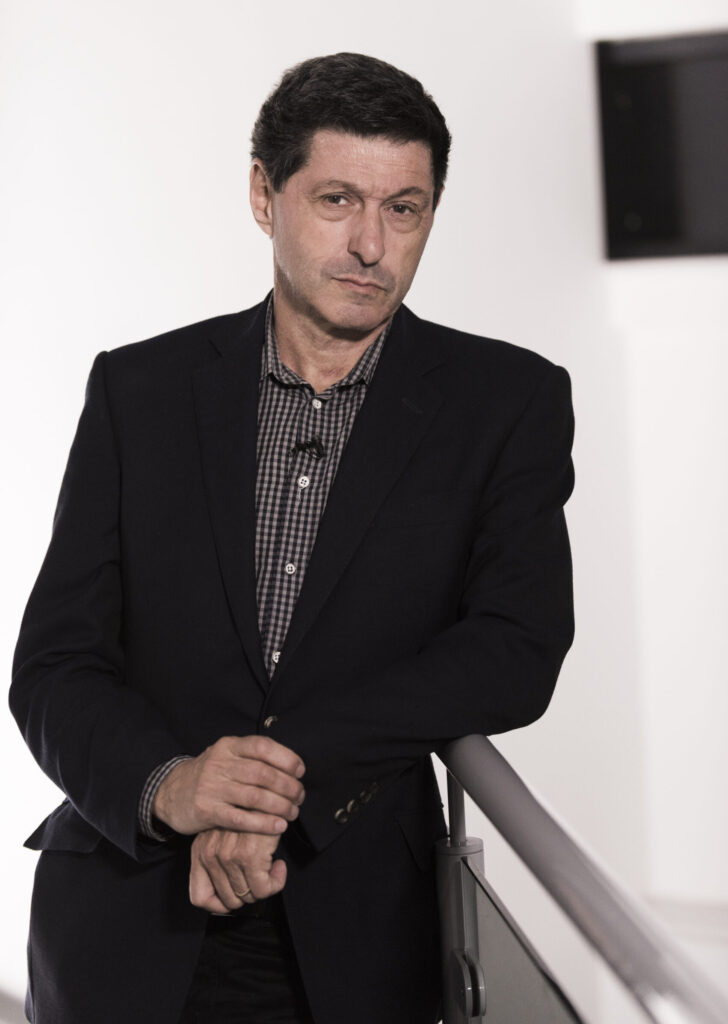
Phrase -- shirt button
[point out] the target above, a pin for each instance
(276, 657)
(317, 403)
(303, 482)
(290, 568)
(270, 720)
(341, 816)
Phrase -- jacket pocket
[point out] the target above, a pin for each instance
(64, 830)
(421, 832)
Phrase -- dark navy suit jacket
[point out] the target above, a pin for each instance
(437, 603)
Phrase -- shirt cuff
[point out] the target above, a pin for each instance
(150, 826)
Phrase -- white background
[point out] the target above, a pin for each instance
(123, 183)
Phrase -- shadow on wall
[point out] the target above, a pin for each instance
(11, 1009)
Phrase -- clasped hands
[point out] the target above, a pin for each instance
(236, 798)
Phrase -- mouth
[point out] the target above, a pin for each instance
(359, 284)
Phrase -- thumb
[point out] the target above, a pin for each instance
(278, 875)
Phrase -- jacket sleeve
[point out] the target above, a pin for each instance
(493, 670)
(97, 739)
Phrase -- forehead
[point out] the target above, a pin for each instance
(374, 164)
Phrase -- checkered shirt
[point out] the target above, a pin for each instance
(292, 485)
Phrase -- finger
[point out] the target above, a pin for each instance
(250, 785)
(243, 808)
(237, 819)
(229, 863)
(233, 860)
(264, 877)
(278, 874)
(248, 772)
(212, 885)
(264, 748)
(246, 862)
(225, 890)
(239, 887)
(213, 905)
(257, 797)
(267, 883)
(202, 891)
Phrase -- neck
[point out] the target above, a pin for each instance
(317, 353)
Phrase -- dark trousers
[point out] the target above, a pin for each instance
(247, 972)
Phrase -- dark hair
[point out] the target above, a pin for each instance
(346, 92)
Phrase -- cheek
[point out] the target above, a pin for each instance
(291, 255)
(306, 252)
(407, 262)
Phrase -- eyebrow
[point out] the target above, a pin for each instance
(346, 186)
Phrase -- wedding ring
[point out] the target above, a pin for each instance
(241, 894)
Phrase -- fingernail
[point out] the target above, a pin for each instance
(280, 825)
(300, 770)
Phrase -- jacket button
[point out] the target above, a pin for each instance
(351, 807)
(270, 720)
(341, 816)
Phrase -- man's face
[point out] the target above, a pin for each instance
(348, 229)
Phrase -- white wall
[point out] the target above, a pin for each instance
(124, 134)
(670, 318)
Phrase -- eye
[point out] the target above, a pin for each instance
(404, 216)
(336, 199)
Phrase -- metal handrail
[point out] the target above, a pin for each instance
(665, 984)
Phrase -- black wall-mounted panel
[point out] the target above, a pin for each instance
(664, 130)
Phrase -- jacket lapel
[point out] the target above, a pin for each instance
(226, 406)
(396, 413)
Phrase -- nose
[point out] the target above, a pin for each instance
(367, 236)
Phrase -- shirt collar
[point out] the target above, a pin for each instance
(272, 366)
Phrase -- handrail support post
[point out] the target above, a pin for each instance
(463, 986)
(456, 810)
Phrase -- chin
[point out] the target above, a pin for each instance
(360, 318)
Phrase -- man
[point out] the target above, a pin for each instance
(297, 549)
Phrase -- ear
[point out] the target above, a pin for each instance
(261, 197)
